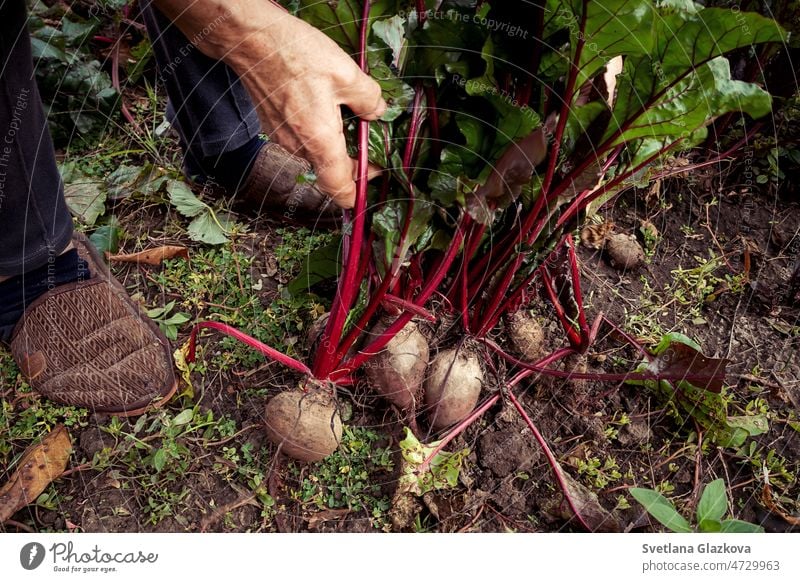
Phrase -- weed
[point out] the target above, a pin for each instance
(156, 454)
(765, 461)
(224, 284)
(611, 431)
(350, 477)
(711, 509)
(167, 321)
(598, 473)
(21, 425)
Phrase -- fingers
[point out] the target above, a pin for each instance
(327, 152)
(364, 97)
(373, 171)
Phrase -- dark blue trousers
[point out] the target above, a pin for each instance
(207, 105)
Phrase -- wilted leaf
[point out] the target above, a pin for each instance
(179, 356)
(152, 256)
(513, 170)
(678, 360)
(207, 228)
(86, 200)
(441, 473)
(679, 357)
(184, 199)
(588, 506)
(41, 463)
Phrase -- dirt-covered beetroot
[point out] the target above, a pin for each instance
(398, 371)
(454, 382)
(624, 251)
(526, 335)
(307, 424)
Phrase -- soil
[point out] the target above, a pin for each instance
(506, 483)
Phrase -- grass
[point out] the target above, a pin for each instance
(24, 416)
(350, 478)
(226, 284)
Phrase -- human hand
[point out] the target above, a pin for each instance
(296, 76)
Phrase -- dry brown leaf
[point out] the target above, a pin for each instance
(585, 501)
(769, 503)
(152, 256)
(594, 235)
(42, 463)
(320, 517)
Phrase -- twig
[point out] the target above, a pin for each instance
(228, 439)
(757, 380)
(76, 469)
(224, 509)
(672, 457)
(474, 520)
(698, 460)
(18, 525)
(714, 237)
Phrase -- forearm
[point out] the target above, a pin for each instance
(223, 29)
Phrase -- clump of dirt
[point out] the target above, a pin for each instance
(507, 450)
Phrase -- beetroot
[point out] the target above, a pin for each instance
(526, 335)
(307, 424)
(455, 378)
(397, 371)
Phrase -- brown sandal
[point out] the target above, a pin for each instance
(88, 344)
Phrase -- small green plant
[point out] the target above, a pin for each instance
(598, 473)
(157, 452)
(350, 477)
(21, 425)
(766, 461)
(711, 510)
(167, 321)
(611, 431)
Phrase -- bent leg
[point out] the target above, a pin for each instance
(208, 105)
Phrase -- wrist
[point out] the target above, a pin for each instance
(225, 30)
